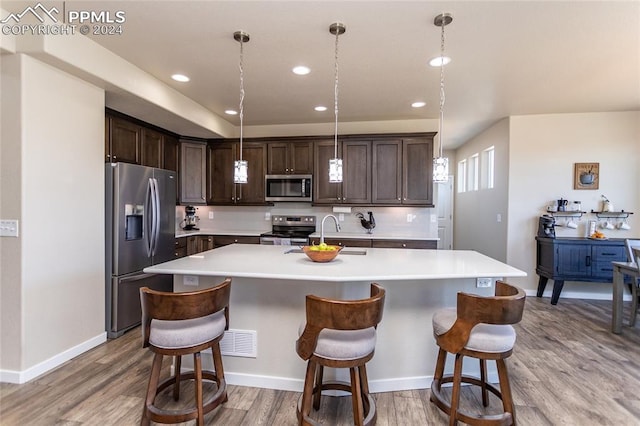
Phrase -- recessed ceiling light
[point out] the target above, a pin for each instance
(301, 70)
(231, 112)
(320, 108)
(419, 104)
(435, 62)
(180, 77)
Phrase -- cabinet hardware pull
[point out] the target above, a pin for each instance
(588, 260)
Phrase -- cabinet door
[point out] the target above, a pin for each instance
(171, 151)
(125, 141)
(107, 139)
(205, 242)
(151, 148)
(220, 158)
(277, 153)
(574, 260)
(417, 179)
(192, 244)
(252, 192)
(192, 173)
(325, 192)
(386, 168)
(301, 158)
(356, 162)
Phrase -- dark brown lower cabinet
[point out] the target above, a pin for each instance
(346, 242)
(352, 242)
(225, 240)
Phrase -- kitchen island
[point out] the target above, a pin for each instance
(268, 297)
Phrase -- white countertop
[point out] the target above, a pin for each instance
(271, 262)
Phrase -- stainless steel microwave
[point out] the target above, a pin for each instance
(288, 187)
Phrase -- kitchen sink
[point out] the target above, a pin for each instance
(343, 251)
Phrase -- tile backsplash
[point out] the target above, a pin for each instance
(389, 220)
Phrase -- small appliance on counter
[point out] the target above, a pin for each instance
(190, 222)
(546, 226)
(367, 224)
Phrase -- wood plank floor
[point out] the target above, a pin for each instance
(567, 369)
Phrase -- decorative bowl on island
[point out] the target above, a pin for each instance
(321, 253)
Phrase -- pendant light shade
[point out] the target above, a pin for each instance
(241, 167)
(440, 163)
(335, 164)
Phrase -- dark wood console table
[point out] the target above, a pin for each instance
(576, 259)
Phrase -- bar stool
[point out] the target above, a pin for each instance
(339, 334)
(480, 327)
(177, 324)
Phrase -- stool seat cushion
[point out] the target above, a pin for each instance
(484, 337)
(186, 333)
(344, 345)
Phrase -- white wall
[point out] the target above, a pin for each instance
(476, 226)
(543, 150)
(59, 190)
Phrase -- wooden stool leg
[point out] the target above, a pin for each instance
(356, 397)
(307, 392)
(505, 389)
(455, 392)
(217, 364)
(197, 365)
(317, 387)
(176, 385)
(152, 387)
(364, 384)
(483, 379)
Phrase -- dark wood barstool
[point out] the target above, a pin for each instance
(339, 334)
(480, 327)
(177, 324)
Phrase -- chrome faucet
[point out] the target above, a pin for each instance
(335, 219)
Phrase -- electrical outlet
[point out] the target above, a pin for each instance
(341, 217)
(210, 215)
(409, 217)
(483, 282)
(190, 280)
(498, 218)
(267, 216)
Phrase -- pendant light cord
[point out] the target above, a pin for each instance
(440, 125)
(335, 102)
(241, 93)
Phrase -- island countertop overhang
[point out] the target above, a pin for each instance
(271, 262)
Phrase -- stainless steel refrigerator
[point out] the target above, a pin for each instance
(139, 232)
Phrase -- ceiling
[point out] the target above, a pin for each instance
(508, 57)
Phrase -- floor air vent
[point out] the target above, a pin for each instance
(239, 343)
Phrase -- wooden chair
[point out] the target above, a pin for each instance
(480, 327)
(339, 334)
(633, 286)
(177, 324)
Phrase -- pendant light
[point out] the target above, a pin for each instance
(240, 168)
(335, 164)
(440, 163)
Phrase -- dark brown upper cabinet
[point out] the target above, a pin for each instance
(125, 138)
(193, 172)
(152, 148)
(295, 157)
(220, 186)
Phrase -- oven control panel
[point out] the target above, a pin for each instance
(294, 220)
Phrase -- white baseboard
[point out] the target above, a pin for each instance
(19, 377)
(579, 295)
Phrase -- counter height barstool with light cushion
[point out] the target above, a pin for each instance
(339, 334)
(479, 327)
(177, 324)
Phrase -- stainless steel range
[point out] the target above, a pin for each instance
(289, 230)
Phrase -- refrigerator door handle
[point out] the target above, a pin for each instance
(148, 217)
(156, 216)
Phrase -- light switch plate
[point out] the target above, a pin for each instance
(8, 228)
(210, 215)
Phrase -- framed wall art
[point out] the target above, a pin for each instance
(586, 176)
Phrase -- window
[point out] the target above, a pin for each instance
(473, 172)
(488, 161)
(462, 176)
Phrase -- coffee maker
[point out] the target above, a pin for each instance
(190, 219)
(546, 226)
